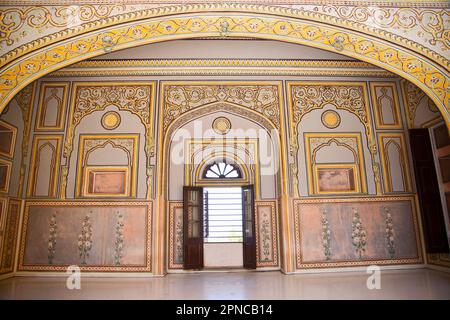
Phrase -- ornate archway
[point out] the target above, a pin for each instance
(277, 136)
(408, 59)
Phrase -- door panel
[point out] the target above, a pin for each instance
(428, 192)
(248, 223)
(193, 227)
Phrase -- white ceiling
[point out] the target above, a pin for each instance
(223, 49)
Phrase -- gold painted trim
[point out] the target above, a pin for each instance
(221, 67)
(95, 169)
(172, 206)
(4, 201)
(111, 126)
(311, 163)
(28, 119)
(400, 56)
(243, 8)
(387, 178)
(246, 169)
(8, 165)
(148, 238)
(414, 214)
(199, 181)
(10, 154)
(275, 234)
(40, 117)
(18, 203)
(161, 209)
(53, 187)
(380, 3)
(294, 125)
(148, 123)
(3, 213)
(377, 109)
(81, 184)
(432, 122)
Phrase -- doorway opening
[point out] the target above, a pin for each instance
(223, 227)
(219, 227)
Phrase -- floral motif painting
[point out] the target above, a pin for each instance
(356, 231)
(97, 236)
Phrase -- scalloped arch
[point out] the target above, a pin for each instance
(400, 56)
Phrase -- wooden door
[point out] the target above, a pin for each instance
(248, 223)
(193, 227)
(428, 192)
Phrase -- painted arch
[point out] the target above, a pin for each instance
(405, 58)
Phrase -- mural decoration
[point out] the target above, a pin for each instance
(10, 235)
(260, 97)
(415, 67)
(266, 234)
(5, 175)
(421, 23)
(97, 236)
(25, 100)
(155, 67)
(390, 236)
(107, 180)
(326, 235)
(337, 176)
(119, 242)
(110, 120)
(359, 235)
(396, 170)
(136, 97)
(52, 106)
(176, 251)
(17, 22)
(331, 119)
(221, 125)
(8, 135)
(427, 26)
(385, 104)
(85, 238)
(44, 166)
(414, 99)
(307, 96)
(361, 232)
(52, 235)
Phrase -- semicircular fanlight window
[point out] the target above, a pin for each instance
(222, 170)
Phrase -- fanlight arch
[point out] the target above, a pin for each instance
(234, 109)
(407, 59)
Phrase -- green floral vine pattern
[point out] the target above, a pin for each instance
(51, 244)
(358, 234)
(179, 241)
(265, 232)
(326, 235)
(85, 238)
(390, 233)
(118, 250)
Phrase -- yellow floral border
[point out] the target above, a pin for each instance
(432, 78)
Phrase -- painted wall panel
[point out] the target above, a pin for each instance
(94, 236)
(340, 232)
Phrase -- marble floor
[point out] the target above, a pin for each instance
(395, 284)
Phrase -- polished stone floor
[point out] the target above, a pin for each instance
(395, 284)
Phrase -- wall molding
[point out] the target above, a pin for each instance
(222, 67)
(406, 58)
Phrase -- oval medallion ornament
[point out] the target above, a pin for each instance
(221, 125)
(331, 119)
(110, 120)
